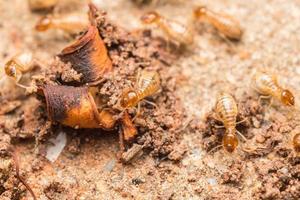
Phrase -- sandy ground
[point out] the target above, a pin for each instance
(88, 167)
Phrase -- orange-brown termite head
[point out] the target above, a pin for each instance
(43, 24)
(230, 140)
(11, 70)
(88, 56)
(296, 142)
(129, 99)
(75, 107)
(150, 17)
(200, 11)
(287, 97)
(18, 65)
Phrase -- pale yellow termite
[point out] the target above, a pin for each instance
(70, 23)
(175, 31)
(296, 142)
(148, 83)
(225, 24)
(18, 65)
(267, 85)
(227, 111)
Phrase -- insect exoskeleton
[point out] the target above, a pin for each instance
(42, 4)
(225, 24)
(18, 65)
(227, 110)
(296, 142)
(267, 85)
(88, 56)
(76, 107)
(148, 83)
(70, 23)
(174, 30)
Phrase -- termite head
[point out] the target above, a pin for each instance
(200, 11)
(287, 97)
(43, 24)
(11, 70)
(128, 99)
(296, 142)
(230, 140)
(150, 17)
(16, 63)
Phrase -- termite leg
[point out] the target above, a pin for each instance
(245, 119)
(185, 124)
(151, 103)
(214, 148)
(19, 84)
(138, 76)
(168, 45)
(219, 126)
(242, 136)
(137, 113)
(229, 42)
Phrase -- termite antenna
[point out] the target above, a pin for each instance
(214, 149)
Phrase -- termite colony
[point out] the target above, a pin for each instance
(125, 94)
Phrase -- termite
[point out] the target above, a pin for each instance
(267, 85)
(175, 31)
(42, 4)
(296, 142)
(148, 83)
(71, 23)
(227, 111)
(18, 65)
(225, 24)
